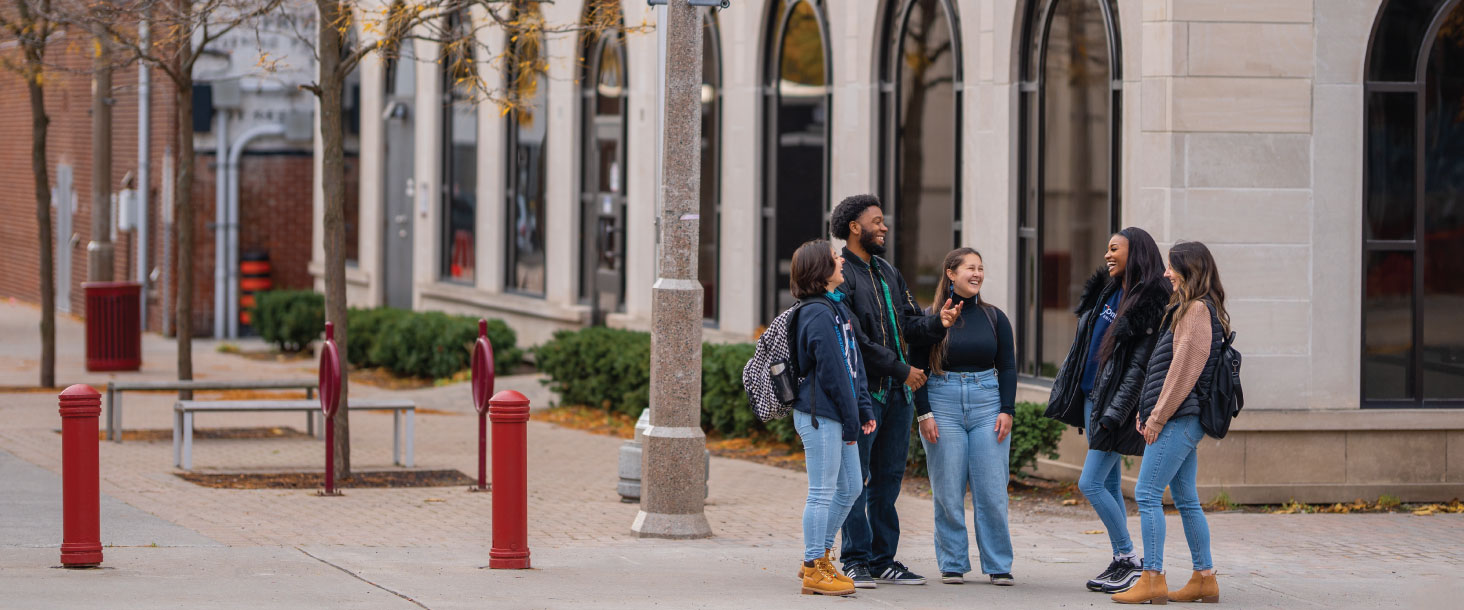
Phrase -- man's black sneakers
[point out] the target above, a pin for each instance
(861, 577)
(1003, 580)
(1120, 575)
(953, 578)
(898, 574)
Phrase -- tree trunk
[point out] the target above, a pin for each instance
(39, 124)
(183, 209)
(332, 176)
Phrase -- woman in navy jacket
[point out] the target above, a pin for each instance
(833, 407)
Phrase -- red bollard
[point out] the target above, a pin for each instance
(330, 401)
(509, 411)
(482, 389)
(81, 505)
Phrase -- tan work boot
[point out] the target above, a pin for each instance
(1200, 588)
(822, 579)
(837, 574)
(1150, 589)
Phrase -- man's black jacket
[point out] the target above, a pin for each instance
(877, 343)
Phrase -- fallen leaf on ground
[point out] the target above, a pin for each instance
(1070, 502)
(1092, 531)
(435, 500)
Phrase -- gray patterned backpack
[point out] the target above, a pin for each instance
(773, 365)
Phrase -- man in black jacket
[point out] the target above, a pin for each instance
(886, 312)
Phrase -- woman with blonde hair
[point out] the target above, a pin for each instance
(1180, 372)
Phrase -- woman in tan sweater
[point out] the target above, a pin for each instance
(1178, 379)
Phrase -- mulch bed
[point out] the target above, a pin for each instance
(314, 480)
(154, 435)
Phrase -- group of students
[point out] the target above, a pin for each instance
(874, 361)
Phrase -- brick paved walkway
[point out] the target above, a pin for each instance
(574, 509)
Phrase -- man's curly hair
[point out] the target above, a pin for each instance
(848, 211)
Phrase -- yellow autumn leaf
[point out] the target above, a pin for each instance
(1092, 531)
(1070, 502)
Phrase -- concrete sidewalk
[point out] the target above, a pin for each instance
(425, 547)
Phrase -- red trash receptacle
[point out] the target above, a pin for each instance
(113, 326)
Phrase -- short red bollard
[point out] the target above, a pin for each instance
(509, 411)
(81, 543)
(330, 400)
(482, 389)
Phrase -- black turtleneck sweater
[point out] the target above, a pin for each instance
(974, 347)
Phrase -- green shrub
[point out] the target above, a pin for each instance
(290, 319)
(1032, 435)
(599, 367)
(433, 344)
(366, 325)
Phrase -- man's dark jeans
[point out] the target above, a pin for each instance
(872, 531)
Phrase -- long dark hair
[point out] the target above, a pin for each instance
(1199, 280)
(943, 292)
(1145, 265)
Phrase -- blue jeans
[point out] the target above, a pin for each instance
(965, 406)
(1172, 461)
(1101, 483)
(872, 532)
(833, 481)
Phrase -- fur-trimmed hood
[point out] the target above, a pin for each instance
(1143, 318)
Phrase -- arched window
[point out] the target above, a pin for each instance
(1069, 154)
(459, 151)
(796, 141)
(920, 137)
(528, 121)
(605, 112)
(1413, 207)
(708, 258)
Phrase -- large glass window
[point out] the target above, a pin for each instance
(528, 120)
(459, 152)
(1069, 175)
(605, 113)
(1413, 207)
(920, 136)
(708, 257)
(795, 155)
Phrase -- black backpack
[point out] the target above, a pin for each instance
(1224, 398)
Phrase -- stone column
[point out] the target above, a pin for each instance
(673, 469)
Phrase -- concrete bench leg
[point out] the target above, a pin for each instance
(110, 412)
(177, 439)
(115, 425)
(188, 440)
(310, 423)
(396, 437)
(411, 433)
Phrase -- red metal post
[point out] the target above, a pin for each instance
(482, 388)
(330, 400)
(509, 411)
(81, 543)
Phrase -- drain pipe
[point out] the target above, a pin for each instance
(221, 176)
(236, 150)
(144, 143)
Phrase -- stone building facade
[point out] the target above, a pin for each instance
(1307, 142)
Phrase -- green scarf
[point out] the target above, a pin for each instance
(890, 311)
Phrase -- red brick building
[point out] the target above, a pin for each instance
(274, 190)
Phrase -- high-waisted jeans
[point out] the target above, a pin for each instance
(833, 481)
(1101, 482)
(1172, 461)
(965, 407)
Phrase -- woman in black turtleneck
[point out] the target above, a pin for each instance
(965, 416)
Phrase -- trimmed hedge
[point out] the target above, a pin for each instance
(419, 344)
(610, 369)
(290, 319)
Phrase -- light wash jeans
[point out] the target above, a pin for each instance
(1172, 461)
(833, 481)
(967, 453)
(1101, 482)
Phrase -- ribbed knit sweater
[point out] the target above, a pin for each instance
(1191, 352)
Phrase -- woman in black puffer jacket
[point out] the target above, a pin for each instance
(1099, 385)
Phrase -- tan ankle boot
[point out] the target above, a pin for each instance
(1150, 589)
(802, 570)
(1200, 588)
(822, 579)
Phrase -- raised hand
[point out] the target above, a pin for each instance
(949, 314)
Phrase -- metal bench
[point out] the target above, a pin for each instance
(116, 388)
(184, 410)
